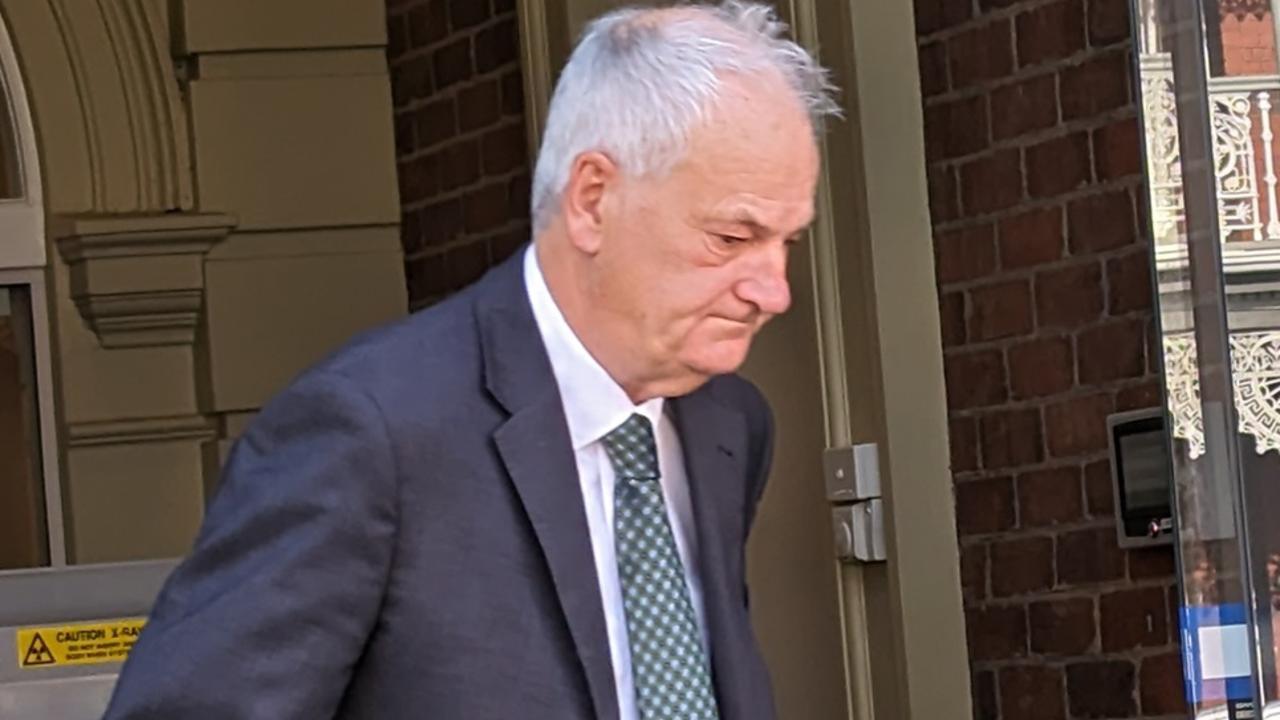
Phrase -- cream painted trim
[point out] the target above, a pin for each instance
(539, 72)
(46, 407)
(921, 587)
(21, 220)
(146, 430)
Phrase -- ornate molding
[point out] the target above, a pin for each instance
(139, 280)
(127, 84)
(199, 428)
(1255, 376)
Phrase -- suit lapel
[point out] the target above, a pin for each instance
(535, 447)
(714, 442)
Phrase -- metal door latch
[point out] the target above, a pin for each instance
(857, 513)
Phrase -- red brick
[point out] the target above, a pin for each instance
(955, 128)
(418, 180)
(996, 632)
(513, 94)
(1069, 297)
(992, 182)
(965, 254)
(466, 264)
(437, 122)
(1001, 310)
(478, 105)
(1117, 150)
(412, 80)
(1031, 692)
(980, 54)
(497, 46)
(506, 244)
(1129, 282)
(464, 14)
(984, 506)
(963, 435)
(934, 15)
(411, 232)
(442, 222)
(1100, 222)
(1062, 627)
(1031, 238)
(1132, 619)
(1050, 32)
(406, 140)
(944, 198)
(1011, 438)
(951, 312)
(985, 706)
(975, 379)
(973, 571)
(1098, 492)
(1151, 563)
(485, 208)
(505, 149)
(1108, 21)
(427, 277)
(1139, 397)
(428, 23)
(933, 69)
(452, 63)
(397, 35)
(1114, 351)
(1078, 426)
(1101, 689)
(1021, 566)
(1024, 107)
(1161, 685)
(1041, 367)
(1050, 497)
(518, 194)
(1089, 556)
(1095, 87)
(1058, 165)
(461, 164)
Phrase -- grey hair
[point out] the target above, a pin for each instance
(638, 84)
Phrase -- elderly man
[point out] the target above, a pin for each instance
(532, 500)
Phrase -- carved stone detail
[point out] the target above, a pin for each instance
(139, 281)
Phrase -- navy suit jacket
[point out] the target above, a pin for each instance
(401, 534)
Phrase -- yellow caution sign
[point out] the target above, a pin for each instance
(108, 641)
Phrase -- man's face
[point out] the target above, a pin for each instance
(694, 262)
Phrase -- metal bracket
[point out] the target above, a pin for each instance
(852, 476)
(859, 531)
(852, 473)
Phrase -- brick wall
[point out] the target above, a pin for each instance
(460, 139)
(1035, 187)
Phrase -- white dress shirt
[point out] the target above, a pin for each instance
(594, 404)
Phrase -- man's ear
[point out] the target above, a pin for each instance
(591, 179)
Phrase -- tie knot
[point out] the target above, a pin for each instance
(631, 449)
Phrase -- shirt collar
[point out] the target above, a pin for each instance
(594, 403)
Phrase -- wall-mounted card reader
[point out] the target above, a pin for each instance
(1141, 478)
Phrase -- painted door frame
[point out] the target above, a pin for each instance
(880, 337)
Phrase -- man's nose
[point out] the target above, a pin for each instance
(766, 285)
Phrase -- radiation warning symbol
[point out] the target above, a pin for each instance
(38, 653)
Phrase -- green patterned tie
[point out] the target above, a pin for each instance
(671, 675)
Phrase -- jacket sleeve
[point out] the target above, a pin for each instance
(269, 614)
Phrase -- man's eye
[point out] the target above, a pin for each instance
(730, 239)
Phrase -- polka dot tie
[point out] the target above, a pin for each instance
(668, 664)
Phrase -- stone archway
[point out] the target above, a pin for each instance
(183, 213)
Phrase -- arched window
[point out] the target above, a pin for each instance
(31, 528)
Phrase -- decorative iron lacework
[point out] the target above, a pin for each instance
(1236, 155)
(1255, 370)
(1241, 8)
